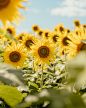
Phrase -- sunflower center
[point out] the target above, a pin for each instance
(29, 43)
(35, 28)
(20, 37)
(68, 31)
(46, 34)
(63, 52)
(81, 47)
(65, 41)
(84, 26)
(14, 56)
(40, 33)
(55, 38)
(9, 30)
(77, 23)
(61, 29)
(43, 51)
(77, 32)
(4, 3)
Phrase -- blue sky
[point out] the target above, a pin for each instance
(49, 13)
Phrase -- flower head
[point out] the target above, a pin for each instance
(15, 55)
(28, 40)
(43, 51)
(9, 11)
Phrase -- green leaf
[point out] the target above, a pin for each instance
(10, 95)
(33, 86)
(77, 101)
(77, 70)
(4, 66)
(7, 81)
(19, 74)
(1, 50)
(11, 76)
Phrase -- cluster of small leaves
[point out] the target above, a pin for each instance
(52, 77)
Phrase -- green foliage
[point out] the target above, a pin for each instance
(11, 76)
(10, 95)
(61, 89)
(52, 98)
(77, 71)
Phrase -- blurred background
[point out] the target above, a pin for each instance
(49, 13)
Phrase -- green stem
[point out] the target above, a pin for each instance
(65, 63)
(42, 78)
(33, 66)
(54, 68)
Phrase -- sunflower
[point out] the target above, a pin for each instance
(62, 42)
(35, 28)
(84, 25)
(68, 31)
(60, 28)
(53, 36)
(43, 52)
(20, 36)
(15, 55)
(40, 32)
(46, 33)
(56, 28)
(77, 44)
(76, 23)
(77, 30)
(11, 29)
(11, 6)
(28, 40)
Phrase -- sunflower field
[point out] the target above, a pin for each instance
(43, 69)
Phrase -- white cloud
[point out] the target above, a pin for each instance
(70, 8)
(78, 3)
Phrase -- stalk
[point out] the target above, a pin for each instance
(42, 78)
